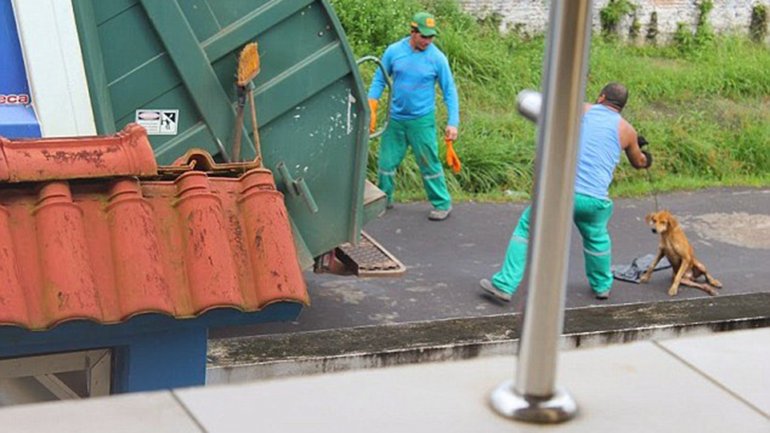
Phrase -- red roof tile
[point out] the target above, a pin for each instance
(109, 249)
(127, 153)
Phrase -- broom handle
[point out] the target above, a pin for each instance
(236, 156)
(257, 146)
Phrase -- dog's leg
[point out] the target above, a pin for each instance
(702, 286)
(648, 273)
(683, 267)
(702, 269)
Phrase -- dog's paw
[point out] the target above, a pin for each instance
(672, 291)
(716, 283)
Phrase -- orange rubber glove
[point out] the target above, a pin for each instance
(452, 160)
(372, 115)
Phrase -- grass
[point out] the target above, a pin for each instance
(704, 107)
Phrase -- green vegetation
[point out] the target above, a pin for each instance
(635, 29)
(704, 105)
(685, 40)
(611, 15)
(758, 25)
(652, 29)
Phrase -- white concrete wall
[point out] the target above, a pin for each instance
(530, 16)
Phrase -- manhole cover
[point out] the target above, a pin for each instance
(369, 258)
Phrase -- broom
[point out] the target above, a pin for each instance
(248, 68)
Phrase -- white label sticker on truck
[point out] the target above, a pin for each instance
(158, 122)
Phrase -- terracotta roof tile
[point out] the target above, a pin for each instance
(108, 249)
(126, 153)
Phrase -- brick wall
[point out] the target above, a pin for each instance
(530, 16)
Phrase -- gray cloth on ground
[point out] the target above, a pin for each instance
(633, 272)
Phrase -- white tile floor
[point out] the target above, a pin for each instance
(156, 413)
(717, 383)
(737, 361)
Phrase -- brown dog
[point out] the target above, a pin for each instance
(677, 249)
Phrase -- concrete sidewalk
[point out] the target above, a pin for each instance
(716, 383)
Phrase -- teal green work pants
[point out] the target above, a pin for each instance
(591, 216)
(421, 135)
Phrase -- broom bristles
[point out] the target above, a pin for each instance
(248, 64)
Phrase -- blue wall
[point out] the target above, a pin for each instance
(150, 351)
(17, 117)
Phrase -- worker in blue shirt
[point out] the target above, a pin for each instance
(604, 135)
(415, 66)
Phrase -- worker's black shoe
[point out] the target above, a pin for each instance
(602, 296)
(490, 288)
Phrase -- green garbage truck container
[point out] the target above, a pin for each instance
(175, 62)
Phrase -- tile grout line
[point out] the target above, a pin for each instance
(188, 411)
(711, 379)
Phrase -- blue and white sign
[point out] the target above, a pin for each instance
(17, 117)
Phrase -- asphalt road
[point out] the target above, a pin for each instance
(729, 229)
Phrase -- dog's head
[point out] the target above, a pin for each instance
(661, 222)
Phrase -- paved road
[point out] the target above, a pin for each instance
(729, 228)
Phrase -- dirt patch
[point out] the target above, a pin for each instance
(737, 228)
(348, 293)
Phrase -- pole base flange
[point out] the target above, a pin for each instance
(557, 408)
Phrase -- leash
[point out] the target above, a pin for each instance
(641, 141)
(653, 191)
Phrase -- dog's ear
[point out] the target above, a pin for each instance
(672, 222)
(667, 218)
(648, 217)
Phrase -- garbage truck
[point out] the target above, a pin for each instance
(231, 98)
(94, 66)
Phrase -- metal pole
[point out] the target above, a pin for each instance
(535, 397)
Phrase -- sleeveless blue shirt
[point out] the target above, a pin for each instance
(599, 151)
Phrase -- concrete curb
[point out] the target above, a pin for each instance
(264, 357)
